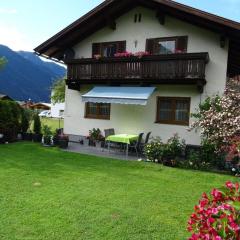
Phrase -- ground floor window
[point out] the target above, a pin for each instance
(171, 110)
(97, 110)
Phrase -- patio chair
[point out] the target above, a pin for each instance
(145, 142)
(137, 145)
(108, 132)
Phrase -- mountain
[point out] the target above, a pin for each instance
(27, 76)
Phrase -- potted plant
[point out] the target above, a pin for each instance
(63, 140)
(37, 136)
(95, 137)
(47, 136)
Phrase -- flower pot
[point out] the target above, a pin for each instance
(63, 143)
(47, 140)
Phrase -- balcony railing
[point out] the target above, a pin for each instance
(181, 68)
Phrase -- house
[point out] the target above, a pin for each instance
(40, 106)
(57, 110)
(183, 56)
(5, 97)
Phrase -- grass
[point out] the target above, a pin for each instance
(50, 194)
(53, 123)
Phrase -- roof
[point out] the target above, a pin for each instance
(109, 10)
(5, 97)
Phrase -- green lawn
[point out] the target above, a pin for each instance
(53, 123)
(50, 194)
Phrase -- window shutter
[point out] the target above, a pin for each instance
(121, 46)
(96, 49)
(182, 44)
(150, 46)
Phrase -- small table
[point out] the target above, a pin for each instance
(122, 138)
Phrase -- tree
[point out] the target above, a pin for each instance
(58, 91)
(36, 124)
(3, 61)
(219, 120)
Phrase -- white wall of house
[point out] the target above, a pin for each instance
(57, 110)
(133, 119)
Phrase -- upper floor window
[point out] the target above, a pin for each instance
(171, 110)
(97, 110)
(108, 49)
(168, 45)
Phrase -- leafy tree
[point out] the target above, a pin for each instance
(58, 91)
(3, 61)
(36, 124)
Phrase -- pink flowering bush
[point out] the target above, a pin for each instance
(217, 216)
(219, 117)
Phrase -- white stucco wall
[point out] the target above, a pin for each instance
(133, 119)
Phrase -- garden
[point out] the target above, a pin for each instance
(50, 194)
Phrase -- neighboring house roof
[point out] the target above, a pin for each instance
(5, 97)
(105, 13)
(45, 106)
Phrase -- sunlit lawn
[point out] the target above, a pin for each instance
(50, 194)
(53, 123)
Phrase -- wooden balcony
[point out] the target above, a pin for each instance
(184, 68)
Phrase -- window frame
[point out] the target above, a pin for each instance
(174, 38)
(173, 121)
(97, 48)
(97, 116)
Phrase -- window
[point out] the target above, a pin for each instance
(108, 49)
(169, 45)
(173, 110)
(97, 110)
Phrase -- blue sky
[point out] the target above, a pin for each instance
(24, 24)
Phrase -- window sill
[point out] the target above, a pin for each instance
(172, 123)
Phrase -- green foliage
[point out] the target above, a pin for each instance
(157, 150)
(154, 150)
(10, 113)
(194, 161)
(95, 134)
(3, 62)
(58, 91)
(24, 122)
(46, 130)
(36, 124)
(47, 135)
(174, 146)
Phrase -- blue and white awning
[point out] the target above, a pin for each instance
(119, 95)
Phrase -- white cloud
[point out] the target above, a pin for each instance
(8, 11)
(13, 38)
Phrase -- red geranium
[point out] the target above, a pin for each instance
(217, 216)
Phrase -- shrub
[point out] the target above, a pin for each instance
(95, 134)
(154, 150)
(174, 147)
(219, 116)
(158, 151)
(217, 216)
(10, 114)
(194, 161)
(47, 135)
(36, 124)
(26, 118)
